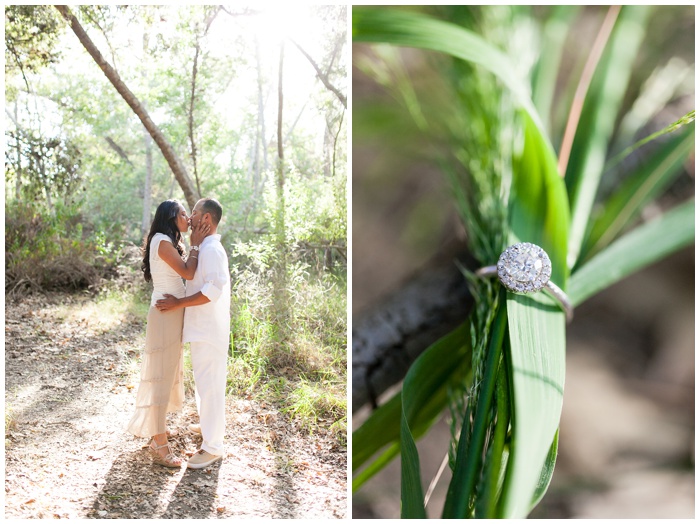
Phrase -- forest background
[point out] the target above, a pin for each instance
(246, 106)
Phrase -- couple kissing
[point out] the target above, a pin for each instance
(190, 302)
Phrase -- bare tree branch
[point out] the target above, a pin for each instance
(88, 13)
(177, 167)
(387, 338)
(12, 117)
(245, 12)
(118, 150)
(323, 77)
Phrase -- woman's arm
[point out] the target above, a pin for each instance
(184, 268)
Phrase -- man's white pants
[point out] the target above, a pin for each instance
(209, 367)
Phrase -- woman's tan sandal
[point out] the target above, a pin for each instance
(169, 460)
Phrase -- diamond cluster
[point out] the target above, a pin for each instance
(524, 268)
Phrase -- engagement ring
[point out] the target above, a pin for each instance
(525, 268)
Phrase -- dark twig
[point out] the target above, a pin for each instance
(389, 337)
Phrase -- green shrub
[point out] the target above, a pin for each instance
(54, 250)
(296, 355)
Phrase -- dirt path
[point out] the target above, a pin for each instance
(69, 385)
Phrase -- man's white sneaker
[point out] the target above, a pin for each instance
(202, 459)
(195, 428)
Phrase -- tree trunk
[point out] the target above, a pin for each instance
(193, 93)
(190, 119)
(177, 167)
(280, 104)
(260, 139)
(328, 145)
(259, 128)
(146, 219)
(118, 150)
(280, 226)
(18, 144)
(44, 179)
(335, 144)
(147, 142)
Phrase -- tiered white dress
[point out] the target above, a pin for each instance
(161, 389)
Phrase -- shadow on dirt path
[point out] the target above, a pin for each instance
(196, 494)
(134, 488)
(69, 390)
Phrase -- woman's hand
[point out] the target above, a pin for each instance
(199, 233)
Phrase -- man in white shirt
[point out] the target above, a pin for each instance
(207, 326)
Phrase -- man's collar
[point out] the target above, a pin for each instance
(215, 236)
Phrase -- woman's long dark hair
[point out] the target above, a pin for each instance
(164, 222)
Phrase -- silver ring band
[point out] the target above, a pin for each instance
(525, 268)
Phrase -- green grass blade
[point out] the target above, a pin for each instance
(376, 466)
(446, 361)
(380, 429)
(538, 210)
(470, 446)
(539, 214)
(637, 249)
(427, 377)
(595, 129)
(685, 120)
(385, 427)
(411, 487)
(547, 471)
(555, 31)
(537, 356)
(653, 177)
(497, 457)
(665, 84)
(410, 29)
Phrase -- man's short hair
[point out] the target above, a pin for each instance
(212, 206)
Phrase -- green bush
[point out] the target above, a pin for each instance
(294, 351)
(54, 250)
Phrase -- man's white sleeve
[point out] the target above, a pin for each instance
(215, 273)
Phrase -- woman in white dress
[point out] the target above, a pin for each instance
(161, 389)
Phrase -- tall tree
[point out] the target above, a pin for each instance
(18, 152)
(51, 163)
(280, 226)
(261, 139)
(148, 178)
(31, 34)
(176, 165)
(210, 14)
